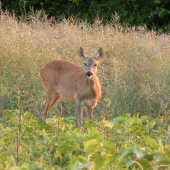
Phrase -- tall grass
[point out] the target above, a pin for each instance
(135, 71)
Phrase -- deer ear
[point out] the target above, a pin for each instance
(99, 54)
(82, 53)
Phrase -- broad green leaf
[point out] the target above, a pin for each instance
(150, 141)
(158, 122)
(126, 153)
(46, 156)
(99, 162)
(90, 124)
(74, 159)
(25, 165)
(147, 119)
(91, 146)
(112, 160)
(65, 148)
(27, 116)
(10, 114)
(146, 164)
(151, 124)
(12, 161)
(36, 167)
(79, 166)
(129, 121)
(70, 137)
(129, 163)
(120, 127)
(136, 119)
(136, 115)
(94, 133)
(28, 130)
(123, 117)
(109, 146)
(34, 154)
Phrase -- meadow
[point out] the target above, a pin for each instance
(134, 72)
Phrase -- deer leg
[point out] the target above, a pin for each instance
(56, 98)
(80, 114)
(89, 113)
(46, 106)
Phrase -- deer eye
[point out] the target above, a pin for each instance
(85, 64)
(95, 65)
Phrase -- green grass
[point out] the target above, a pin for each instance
(135, 70)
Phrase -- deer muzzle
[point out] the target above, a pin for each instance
(89, 74)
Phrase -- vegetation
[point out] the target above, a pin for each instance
(134, 72)
(155, 14)
(135, 76)
(124, 143)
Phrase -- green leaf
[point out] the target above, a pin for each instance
(25, 165)
(10, 114)
(74, 159)
(136, 119)
(150, 141)
(36, 167)
(147, 119)
(12, 161)
(126, 153)
(65, 148)
(79, 166)
(109, 146)
(100, 161)
(90, 124)
(129, 163)
(70, 137)
(123, 117)
(91, 146)
(129, 121)
(94, 133)
(120, 127)
(146, 164)
(46, 156)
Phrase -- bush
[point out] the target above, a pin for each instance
(124, 143)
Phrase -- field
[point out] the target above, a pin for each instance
(135, 75)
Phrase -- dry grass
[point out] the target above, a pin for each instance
(135, 71)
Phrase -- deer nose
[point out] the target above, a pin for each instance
(89, 73)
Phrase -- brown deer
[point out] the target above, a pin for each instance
(62, 78)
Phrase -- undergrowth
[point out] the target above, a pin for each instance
(125, 143)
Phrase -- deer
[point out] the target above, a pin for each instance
(62, 78)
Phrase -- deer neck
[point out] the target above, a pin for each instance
(94, 86)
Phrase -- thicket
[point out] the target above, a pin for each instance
(155, 14)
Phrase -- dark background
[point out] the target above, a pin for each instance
(155, 14)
